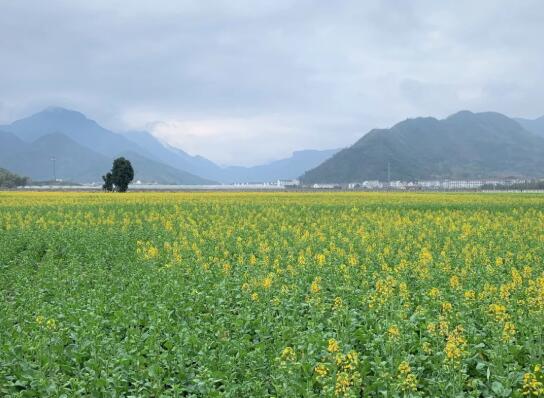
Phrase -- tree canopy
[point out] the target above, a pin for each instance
(120, 176)
(11, 180)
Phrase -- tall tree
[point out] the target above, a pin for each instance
(120, 176)
(108, 182)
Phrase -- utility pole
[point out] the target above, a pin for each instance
(389, 174)
(53, 159)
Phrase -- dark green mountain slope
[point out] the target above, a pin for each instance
(464, 145)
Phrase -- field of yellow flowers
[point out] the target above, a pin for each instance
(271, 295)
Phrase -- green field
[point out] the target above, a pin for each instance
(271, 295)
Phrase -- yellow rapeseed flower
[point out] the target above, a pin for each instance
(446, 307)
(338, 303)
(315, 286)
(267, 282)
(533, 383)
(321, 370)
(454, 282)
(508, 332)
(288, 354)
(333, 345)
(393, 332)
(51, 324)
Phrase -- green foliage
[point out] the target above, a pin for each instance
(108, 182)
(11, 180)
(271, 295)
(120, 176)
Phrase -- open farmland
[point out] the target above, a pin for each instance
(271, 294)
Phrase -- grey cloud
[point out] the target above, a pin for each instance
(325, 71)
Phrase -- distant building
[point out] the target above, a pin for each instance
(430, 185)
(285, 183)
(325, 186)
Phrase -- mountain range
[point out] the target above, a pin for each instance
(283, 169)
(84, 150)
(465, 145)
(74, 162)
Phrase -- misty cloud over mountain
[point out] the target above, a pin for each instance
(83, 151)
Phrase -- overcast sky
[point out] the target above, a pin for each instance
(247, 81)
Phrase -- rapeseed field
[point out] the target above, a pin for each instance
(271, 295)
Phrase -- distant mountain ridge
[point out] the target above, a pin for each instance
(464, 145)
(75, 162)
(74, 125)
(166, 164)
(83, 150)
(283, 169)
(535, 126)
(174, 157)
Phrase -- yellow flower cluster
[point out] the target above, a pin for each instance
(407, 379)
(347, 375)
(50, 324)
(332, 345)
(337, 304)
(315, 287)
(146, 250)
(435, 279)
(394, 332)
(288, 354)
(321, 370)
(533, 382)
(455, 345)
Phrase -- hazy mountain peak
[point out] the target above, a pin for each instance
(61, 114)
(60, 109)
(53, 119)
(462, 113)
(489, 115)
(409, 123)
